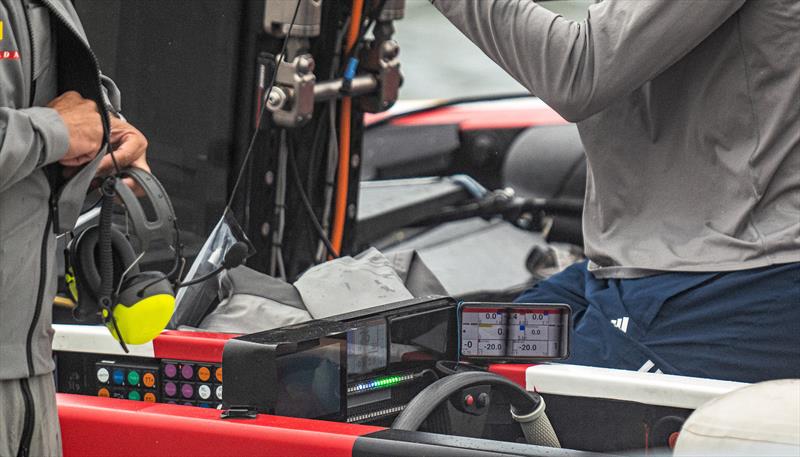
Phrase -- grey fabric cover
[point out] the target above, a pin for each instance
(418, 278)
(350, 284)
(252, 302)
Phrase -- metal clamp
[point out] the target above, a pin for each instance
(291, 100)
(382, 60)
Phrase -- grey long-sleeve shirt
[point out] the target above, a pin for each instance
(689, 111)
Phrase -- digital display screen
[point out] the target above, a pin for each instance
(533, 331)
(310, 382)
(423, 337)
(366, 347)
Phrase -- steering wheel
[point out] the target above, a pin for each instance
(527, 408)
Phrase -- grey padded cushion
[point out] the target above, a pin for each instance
(252, 302)
(547, 162)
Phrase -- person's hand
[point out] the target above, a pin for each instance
(84, 125)
(129, 146)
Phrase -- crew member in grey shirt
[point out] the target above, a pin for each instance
(689, 111)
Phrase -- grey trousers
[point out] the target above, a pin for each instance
(29, 405)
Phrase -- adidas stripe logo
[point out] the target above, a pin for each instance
(621, 323)
(648, 367)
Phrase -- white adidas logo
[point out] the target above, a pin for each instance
(648, 366)
(621, 323)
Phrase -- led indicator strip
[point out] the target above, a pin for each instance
(375, 414)
(379, 383)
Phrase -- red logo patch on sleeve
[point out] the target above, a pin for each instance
(9, 55)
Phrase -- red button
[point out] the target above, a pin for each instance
(469, 400)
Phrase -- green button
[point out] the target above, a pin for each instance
(133, 378)
(134, 395)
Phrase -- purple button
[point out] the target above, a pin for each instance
(187, 390)
(170, 389)
(187, 371)
(170, 370)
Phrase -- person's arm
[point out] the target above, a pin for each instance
(30, 138)
(580, 68)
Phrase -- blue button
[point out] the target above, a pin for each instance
(204, 405)
(118, 377)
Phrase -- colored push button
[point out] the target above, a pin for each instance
(118, 377)
(150, 397)
(204, 405)
(103, 392)
(134, 395)
(170, 370)
(469, 400)
(203, 374)
(133, 378)
(170, 389)
(102, 375)
(218, 392)
(204, 392)
(187, 371)
(187, 391)
(149, 380)
(218, 374)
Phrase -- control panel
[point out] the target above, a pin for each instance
(131, 381)
(513, 332)
(191, 383)
(146, 379)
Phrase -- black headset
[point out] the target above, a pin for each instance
(102, 271)
(141, 304)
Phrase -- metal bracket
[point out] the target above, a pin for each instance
(239, 412)
(291, 100)
(381, 59)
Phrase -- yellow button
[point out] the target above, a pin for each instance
(103, 392)
(204, 373)
(149, 380)
(218, 374)
(150, 397)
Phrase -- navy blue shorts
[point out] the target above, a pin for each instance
(739, 326)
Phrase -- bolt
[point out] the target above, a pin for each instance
(305, 65)
(265, 229)
(390, 49)
(269, 178)
(276, 98)
(351, 210)
(355, 160)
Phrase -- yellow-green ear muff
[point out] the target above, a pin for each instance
(143, 308)
(142, 321)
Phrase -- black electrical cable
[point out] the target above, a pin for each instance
(316, 150)
(306, 203)
(261, 112)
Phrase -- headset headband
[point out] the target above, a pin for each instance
(146, 230)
